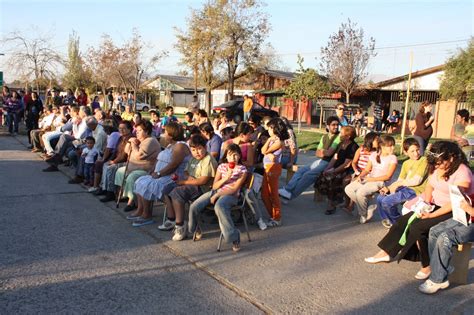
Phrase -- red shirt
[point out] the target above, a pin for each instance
(82, 99)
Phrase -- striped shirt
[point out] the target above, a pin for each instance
(238, 171)
(363, 158)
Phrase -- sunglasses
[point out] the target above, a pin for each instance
(435, 155)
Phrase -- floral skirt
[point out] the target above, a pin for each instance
(332, 185)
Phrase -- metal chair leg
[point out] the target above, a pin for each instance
(246, 225)
(220, 242)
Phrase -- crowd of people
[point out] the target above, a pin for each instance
(201, 161)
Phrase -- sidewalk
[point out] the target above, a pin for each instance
(313, 263)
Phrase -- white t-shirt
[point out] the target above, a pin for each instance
(381, 169)
(90, 154)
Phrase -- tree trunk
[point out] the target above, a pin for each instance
(321, 117)
(208, 100)
(230, 90)
(347, 96)
(299, 116)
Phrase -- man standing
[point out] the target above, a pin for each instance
(306, 175)
(248, 104)
(378, 116)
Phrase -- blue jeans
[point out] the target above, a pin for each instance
(246, 116)
(304, 177)
(286, 159)
(388, 204)
(222, 208)
(443, 237)
(89, 172)
(13, 119)
(377, 124)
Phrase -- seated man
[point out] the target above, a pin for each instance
(65, 143)
(306, 175)
(441, 239)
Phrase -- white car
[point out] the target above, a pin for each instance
(140, 107)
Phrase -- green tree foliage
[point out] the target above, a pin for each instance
(344, 60)
(76, 75)
(307, 85)
(458, 79)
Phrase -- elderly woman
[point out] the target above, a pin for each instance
(169, 168)
(408, 237)
(143, 151)
(333, 179)
(110, 167)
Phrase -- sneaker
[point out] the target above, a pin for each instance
(284, 193)
(179, 232)
(386, 223)
(93, 189)
(261, 225)
(236, 244)
(51, 168)
(168, 225)
(370, 211)
(430, 287)
(363, 219)
(132, 217)
(274, 223)
(142, 222)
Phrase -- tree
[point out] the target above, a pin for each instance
(103, 63)
(458, 78)
(243, 28)
(33, 58)
(76, 75)
(344, 60)
(306, 86)
(133, 66)
(199, 48)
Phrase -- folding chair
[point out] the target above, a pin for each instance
(240, 206)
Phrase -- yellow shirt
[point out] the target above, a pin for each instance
(127, 116)
(248, 103)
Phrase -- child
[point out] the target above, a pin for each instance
(90, 155)
(198, 176)
(272, 150)
(230, 177)
(379, 169)
(169, 116)
(361, 158)
(156, 123)
(187, 124)
(410, 182)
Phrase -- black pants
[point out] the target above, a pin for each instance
(417, 232)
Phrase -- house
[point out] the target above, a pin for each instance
(174, 90)
(266, 86)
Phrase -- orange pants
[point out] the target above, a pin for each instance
(270, 196)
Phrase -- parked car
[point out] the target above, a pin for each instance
(236, 109)
(141, 107)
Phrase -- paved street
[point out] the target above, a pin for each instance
(64, 251)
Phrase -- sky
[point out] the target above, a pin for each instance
(433, 30)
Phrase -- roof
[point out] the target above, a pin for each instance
(275, 73)
(403, 78)
(184, 82)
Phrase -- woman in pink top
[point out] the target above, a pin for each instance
(379, 170)
(448, 166)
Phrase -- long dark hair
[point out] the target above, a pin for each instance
(279, 128)
(369, 140)
(444, 151)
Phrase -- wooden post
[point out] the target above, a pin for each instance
(405, 112)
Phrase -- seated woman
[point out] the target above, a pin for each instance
(331, 183)
(410, 182)
(408, 237)
(142, 152)
(196, 181)
(379, 170)
(230, 178)
(392, 121)
(169, 168)
(441, 239)
(360, 160)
